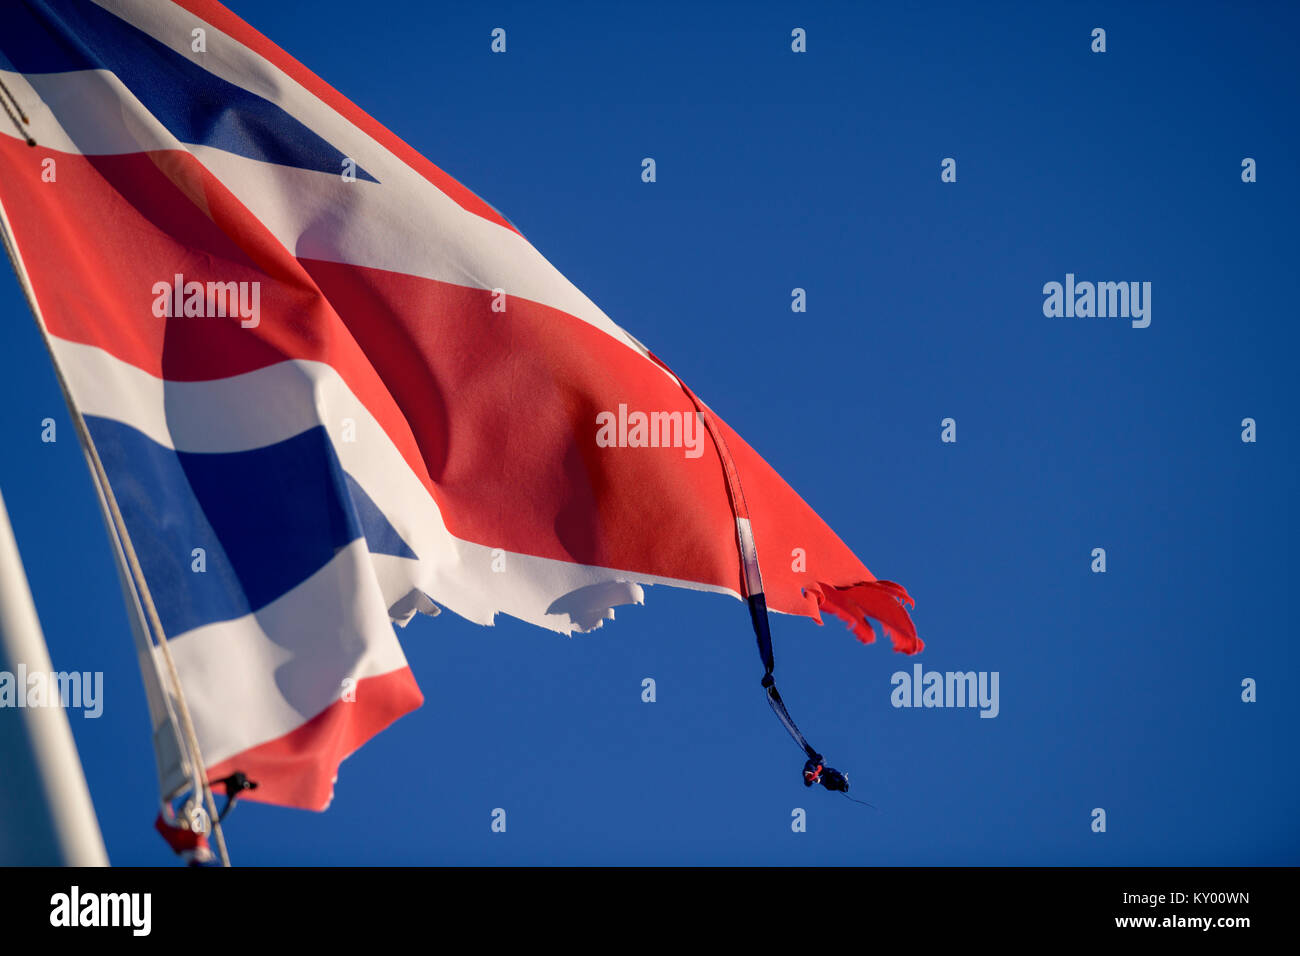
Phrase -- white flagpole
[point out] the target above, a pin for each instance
(46, 816)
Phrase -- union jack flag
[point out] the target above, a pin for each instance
(324, 386)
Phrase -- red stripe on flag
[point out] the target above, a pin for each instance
(299, 769)
(175, 217)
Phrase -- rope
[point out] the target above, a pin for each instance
(158, 636)
(8, 98)
(751, 572)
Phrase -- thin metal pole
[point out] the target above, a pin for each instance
(46, 815)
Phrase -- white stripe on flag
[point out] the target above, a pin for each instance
(275, 403)
(257, 677)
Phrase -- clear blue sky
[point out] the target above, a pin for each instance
(775, 170)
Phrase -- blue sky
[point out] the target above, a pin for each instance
(822, 171)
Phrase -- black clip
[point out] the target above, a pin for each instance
(814, 771)
(235, 785)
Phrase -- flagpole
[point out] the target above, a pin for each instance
(46, 815)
